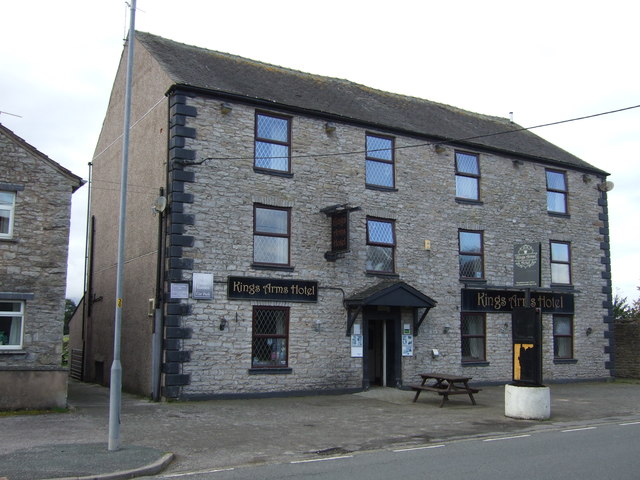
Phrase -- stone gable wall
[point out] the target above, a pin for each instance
(35, 260)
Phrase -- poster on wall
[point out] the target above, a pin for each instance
(356, 342)
(407, 345)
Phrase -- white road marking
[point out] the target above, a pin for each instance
(578, 429)
(417, 448)
(629, 423)
(199, 472)
(505, 438)
(322, 459)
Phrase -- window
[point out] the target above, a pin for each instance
(380, 245)
(556, 192)
(560, 263)
(272, 145)
(471, 254)
(7, 202)
(271, 234)
(270, 337)
(379, 162)
(467, 176)
(473, 337)
(11, 324)
(562, 336)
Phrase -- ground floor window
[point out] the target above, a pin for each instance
(473, 337)
(562, 336)
(11, 324)
(270, 337)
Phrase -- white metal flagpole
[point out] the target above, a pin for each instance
(115, 389)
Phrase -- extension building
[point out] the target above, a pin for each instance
(291, 233)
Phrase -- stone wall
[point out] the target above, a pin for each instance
(627, 335)
(423, 205)
(33, 263)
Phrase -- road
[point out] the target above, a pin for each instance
(602, 451)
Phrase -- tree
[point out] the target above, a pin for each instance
(622, 310)
(69, 308)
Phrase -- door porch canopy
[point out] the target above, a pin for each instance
(391, 293)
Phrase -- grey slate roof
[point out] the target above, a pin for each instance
(199, 68)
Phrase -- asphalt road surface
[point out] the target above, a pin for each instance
(601, 451)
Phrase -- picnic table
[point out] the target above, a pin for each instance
(444, 386)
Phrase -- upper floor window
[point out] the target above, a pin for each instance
(471, 254)
(381, 243)
(560, 263)
(7, 203)
(270, 337)
(379, 162)
(11, 324)
(271, 235)
(273, 142)
(562, 336)
(467, 176)
(473, 335)
(556, 192)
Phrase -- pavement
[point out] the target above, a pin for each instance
(171, 439)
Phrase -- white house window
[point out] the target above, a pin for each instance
(7, 204)
(11, 324)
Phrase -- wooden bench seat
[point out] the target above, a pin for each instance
(445, 391)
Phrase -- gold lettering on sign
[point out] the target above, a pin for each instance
(249, 288)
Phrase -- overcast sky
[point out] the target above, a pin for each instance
(545, 61)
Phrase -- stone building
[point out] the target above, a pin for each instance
(35, 211)
(309, 234)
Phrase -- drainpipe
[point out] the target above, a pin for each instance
(158, 319)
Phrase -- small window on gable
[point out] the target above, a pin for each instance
(272, 143)
(7, 205)
(556, 191)
(379, 163)
(467, 176)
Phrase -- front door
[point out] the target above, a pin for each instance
(383, 352)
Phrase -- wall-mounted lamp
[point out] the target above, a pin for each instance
(329, 127)
(589, 331)
(223, 323)
(446, 329)
(586, 178)
(435, 353)
(439, 148)
(517, 163)
(316, 325)
(225, 108)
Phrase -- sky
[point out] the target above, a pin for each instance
(544, 61)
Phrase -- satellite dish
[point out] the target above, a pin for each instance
(605, 186)
(160, 205)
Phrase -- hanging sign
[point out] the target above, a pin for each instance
(526, 265)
